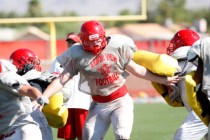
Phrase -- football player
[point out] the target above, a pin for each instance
(28, 66)
(16, 106)
(77, 112)
(192, 128)
(101, 61)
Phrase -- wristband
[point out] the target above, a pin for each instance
(42, 101)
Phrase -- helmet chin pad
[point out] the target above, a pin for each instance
(95, 50)
(95, 46)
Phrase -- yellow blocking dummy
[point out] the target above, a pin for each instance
(55, 113)
(192, 98)
(160, 64)
(163, 91)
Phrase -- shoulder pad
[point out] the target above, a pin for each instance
(12, 81)
(32, 74)
(47, 76)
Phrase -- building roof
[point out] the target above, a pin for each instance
(114, 30)
(32, 33)
(143, 31)
(138, 31)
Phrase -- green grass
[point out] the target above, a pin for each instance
(152, 122)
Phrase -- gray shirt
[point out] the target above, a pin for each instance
(202, 49)
(100, 74)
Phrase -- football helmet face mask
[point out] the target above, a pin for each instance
(25, 60)
(93, 37)
(185, 37)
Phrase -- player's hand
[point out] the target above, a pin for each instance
(40, 102)
(172, 80)
(35, 106)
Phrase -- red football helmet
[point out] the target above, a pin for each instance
(74, 37)
(93, 36)
(25, 60)
(184, 37)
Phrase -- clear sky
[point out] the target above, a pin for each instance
(87, 7)
(82, 7)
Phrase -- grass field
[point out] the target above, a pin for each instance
(152, 122)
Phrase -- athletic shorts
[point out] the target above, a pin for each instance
(74, 125)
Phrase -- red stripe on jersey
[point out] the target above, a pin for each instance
(117, 94)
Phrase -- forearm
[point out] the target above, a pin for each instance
(30, 91)
(143, 73)
(148, 75)
(53, 88)
(33, 93)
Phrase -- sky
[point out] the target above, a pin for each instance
(94, 7)
(87, 7)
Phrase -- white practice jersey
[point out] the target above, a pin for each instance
(76, 98)
(202, 49)
(180, 54)
(14, 109)
(192, 128)
(100, 74)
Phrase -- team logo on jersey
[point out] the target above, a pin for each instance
(101, 58)
(104, 70)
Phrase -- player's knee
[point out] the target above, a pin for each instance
(122, 134)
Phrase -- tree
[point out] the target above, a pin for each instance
(123, 13)
(34, 9)
(171, 9)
